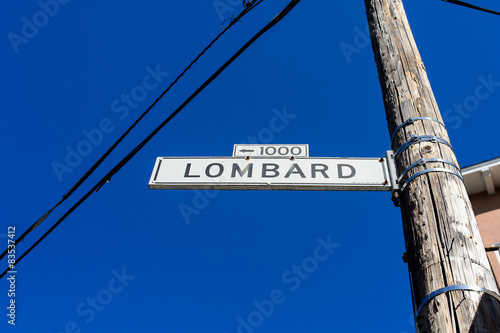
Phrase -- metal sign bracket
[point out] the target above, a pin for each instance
(393, 177)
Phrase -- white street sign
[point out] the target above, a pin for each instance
(232, 173)
(274, 151)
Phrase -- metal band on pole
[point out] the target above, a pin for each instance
(417, 139)
(456, 287)
(423, 161)
(411, 120)
(428, 171)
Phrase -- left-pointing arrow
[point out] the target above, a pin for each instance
(247, 150)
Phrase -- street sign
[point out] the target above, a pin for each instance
(274, 151)
(233, 173)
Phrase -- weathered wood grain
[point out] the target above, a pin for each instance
(442, 238)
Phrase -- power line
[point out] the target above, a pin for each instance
(468, 5)
(127, 158)
(248, 7)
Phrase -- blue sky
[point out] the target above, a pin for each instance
(127, 260)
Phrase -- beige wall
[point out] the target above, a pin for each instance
(487, 210)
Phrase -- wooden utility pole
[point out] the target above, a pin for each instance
(451, 278)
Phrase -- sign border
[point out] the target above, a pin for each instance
(153, 185)
(271, 145)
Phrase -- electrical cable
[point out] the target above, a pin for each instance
(127, 158)
(248, 7)
(468, 5)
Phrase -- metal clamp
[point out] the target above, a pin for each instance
(393, 177)
(409, 180)
(456, 287)
(424, 161)
(411, 120)
(417, 139)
